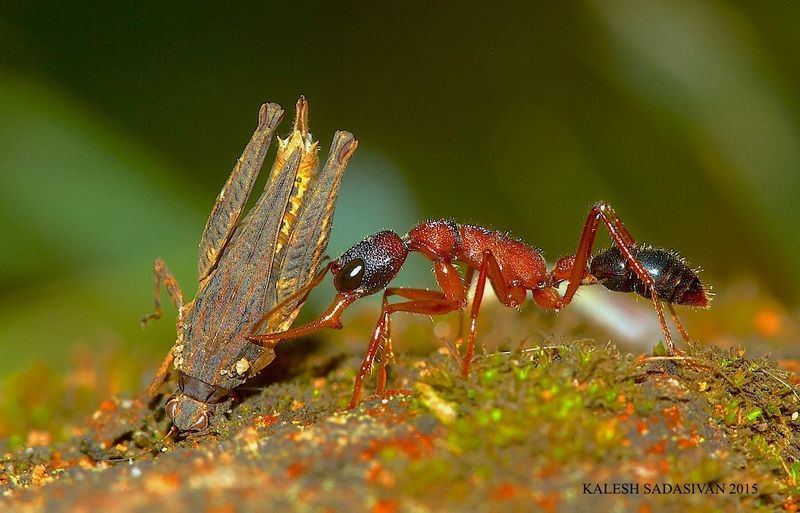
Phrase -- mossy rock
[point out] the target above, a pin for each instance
(549, 429)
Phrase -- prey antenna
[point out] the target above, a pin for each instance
(143, 451)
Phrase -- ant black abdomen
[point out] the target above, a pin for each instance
(675, 281)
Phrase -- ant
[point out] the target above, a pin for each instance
(512, 268)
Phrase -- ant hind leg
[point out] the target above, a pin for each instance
(678, 323)
(624, 241)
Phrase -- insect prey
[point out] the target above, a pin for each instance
(249, 264)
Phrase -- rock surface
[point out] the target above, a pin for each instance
(535, 429)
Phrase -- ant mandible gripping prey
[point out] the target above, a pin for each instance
(512, 267)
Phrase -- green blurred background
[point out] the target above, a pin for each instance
(118, 126)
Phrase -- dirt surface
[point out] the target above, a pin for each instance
(526, 431)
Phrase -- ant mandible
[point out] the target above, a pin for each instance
(512, 267)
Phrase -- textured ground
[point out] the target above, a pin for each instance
(524, 432)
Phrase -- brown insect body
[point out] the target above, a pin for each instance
(512, 267)
(248, 267)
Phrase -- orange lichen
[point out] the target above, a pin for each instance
(692, 441)
(414, 445)
(548, 502)
(264, 421)
(373, 472)
(657, 448)
(504, 491)
(672, 416)
(162, 484)
(37, 438)
(386, 506)
(107, 406)
(39, 475)
(378, 475)
(549, 470)
(296, 469)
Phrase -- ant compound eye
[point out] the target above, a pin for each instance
(201, 423)
(350, 276)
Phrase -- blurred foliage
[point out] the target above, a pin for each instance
(118, 126)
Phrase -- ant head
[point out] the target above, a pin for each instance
(370, 264)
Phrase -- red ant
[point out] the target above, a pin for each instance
(512, 267)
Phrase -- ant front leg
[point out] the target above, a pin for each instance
(422, 301)
(331, 319)
(162, 275)
(427, 302)
(624, 241)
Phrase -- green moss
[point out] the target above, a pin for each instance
(590, 409)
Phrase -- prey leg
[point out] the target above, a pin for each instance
(161, 374)
(163, 276)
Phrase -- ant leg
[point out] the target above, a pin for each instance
(476, 306)
(624, 241)
(386, 357)
(387, 353)
(423, 301)
(678, 323)
(467, 285)
(508, 293)
(548, 298)
(296, 299)
(162, 275)
(331, 319)
(468, 278)
(369, 356)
